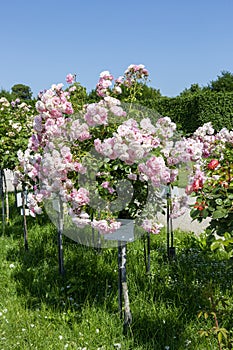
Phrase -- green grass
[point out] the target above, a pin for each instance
(40, 309)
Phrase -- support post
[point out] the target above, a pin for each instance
(2, 200)
(147, 252)
(60, 234)
(25, 232)
(123, 288)
(7, 199)
(119, 280)
(170, 235)
(168, 220)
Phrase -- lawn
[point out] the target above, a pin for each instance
(40, 309)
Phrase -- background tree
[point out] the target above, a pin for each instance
(194, 88)
(23, 92)
(224, 82)
(6, 94)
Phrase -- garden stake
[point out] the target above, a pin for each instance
(3, 201)
(170, 235)
(147, 252)
(168, 221)
(172, 251)
(7, 198)
(60, 232)
(122, 286)
(119, 257)
(24, 201)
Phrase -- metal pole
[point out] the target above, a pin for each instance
(7, 199)
(168, 221)
(3, 202)
(119, 279)
(25, 233)
(60, 232)
(148, 252)
(127, 312)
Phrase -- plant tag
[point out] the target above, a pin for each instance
(27, 212)
(19, 199)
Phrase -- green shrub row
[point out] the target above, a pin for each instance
(193, 110)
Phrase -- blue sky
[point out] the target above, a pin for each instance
(180, 42)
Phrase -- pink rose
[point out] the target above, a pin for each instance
(70, 78)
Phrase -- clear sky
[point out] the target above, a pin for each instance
(180, 42)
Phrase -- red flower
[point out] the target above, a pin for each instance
(200, 206)
(213, 164)
(197, 185)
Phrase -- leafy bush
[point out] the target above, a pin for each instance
(193, 110)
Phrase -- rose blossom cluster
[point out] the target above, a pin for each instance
(209, 145)
(133, 74)
(104, 83)
(130, 143)
(105, 226)
(70, 78)
(151, 226)
(49, 169)
(98, 113)
(157, 172)
(54, 156)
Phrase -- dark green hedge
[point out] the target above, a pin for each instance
(191, 111)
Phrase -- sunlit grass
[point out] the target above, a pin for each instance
(40, 309)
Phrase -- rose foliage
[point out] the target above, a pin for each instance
(212, 179)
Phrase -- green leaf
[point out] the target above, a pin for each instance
(220, 337)
(216, 245)
(219, 214)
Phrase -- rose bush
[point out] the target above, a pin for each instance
(107, 161)
(16, 119)
(212, 180)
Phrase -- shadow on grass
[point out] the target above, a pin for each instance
(89, 275)
(163, 303)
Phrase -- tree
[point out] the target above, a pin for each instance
(23, 92)
(6, 94)
(223, 83)
(194, 88)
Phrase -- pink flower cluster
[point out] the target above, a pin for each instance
(134, 73)
(151, 226)
(130, 143)
(98, 113)
(106, 185)
(70, 78)
(157, 172)
(203, 144)
(50, 168)
(105, 81)
(54, 156)
(105, 226)
(179, 206)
